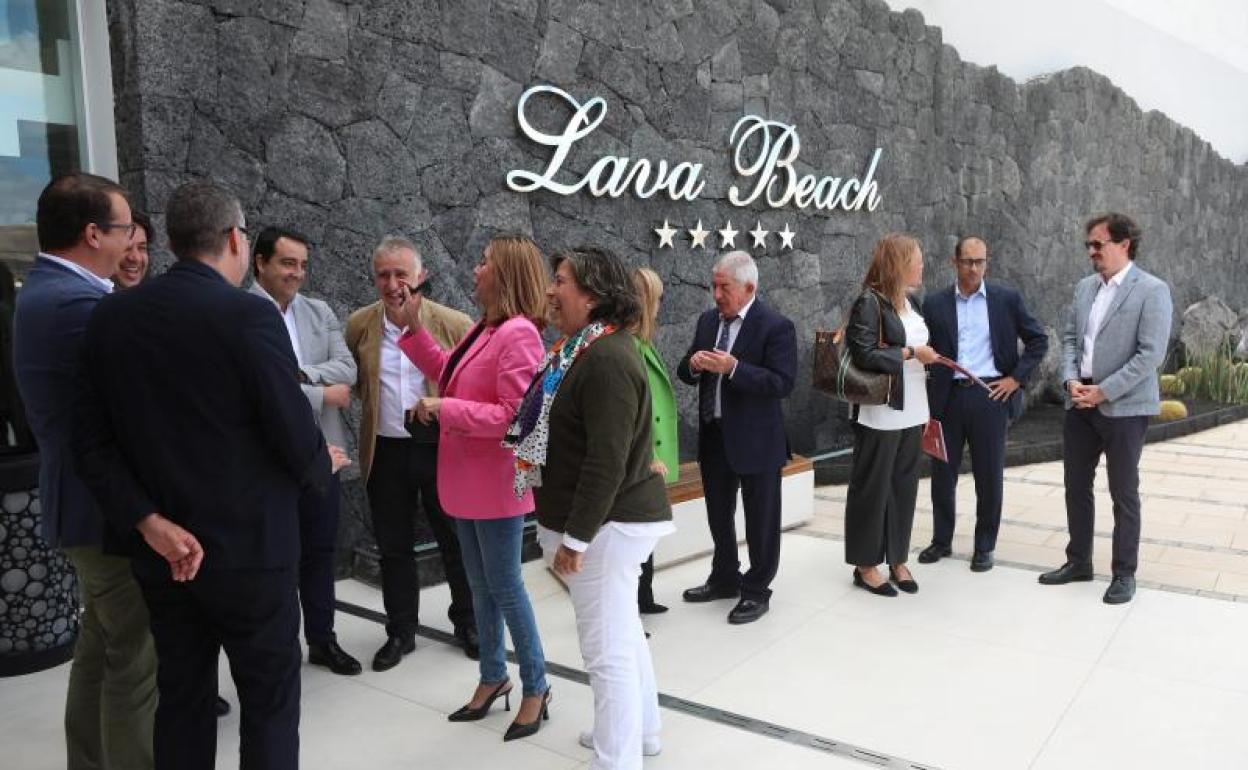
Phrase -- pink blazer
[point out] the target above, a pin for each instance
(475, 471)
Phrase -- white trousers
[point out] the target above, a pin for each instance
(613, 643)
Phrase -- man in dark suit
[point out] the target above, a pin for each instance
(979, 325)
(85, 226)
(743, 360)
(198, 437)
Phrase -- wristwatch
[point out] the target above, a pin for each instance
(907, 352)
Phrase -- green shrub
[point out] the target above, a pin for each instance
(1172, 386)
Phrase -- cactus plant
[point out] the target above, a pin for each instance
(1172, 386)
(1172, 410)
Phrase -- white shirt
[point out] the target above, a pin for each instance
(87, 275)
(402, 384)
(1104, 298)
(914, 382)
(733, 330)
(288, 315)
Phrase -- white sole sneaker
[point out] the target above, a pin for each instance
(649, 748)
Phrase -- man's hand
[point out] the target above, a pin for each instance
(1003, 388)
(716, 361)
(1088, 396)
(174, 544)
(659, 467)
(337, 458)
(427, 409)
(411, 306)
(567, 561)
(338, 396)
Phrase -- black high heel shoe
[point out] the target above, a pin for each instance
(518, 730)
(469, 714)
(909, 586)
(883, 589)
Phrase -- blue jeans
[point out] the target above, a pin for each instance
(491, 553)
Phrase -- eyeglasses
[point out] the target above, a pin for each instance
(129, 226)
(240, 228)
(1095, 245)
(972, 263)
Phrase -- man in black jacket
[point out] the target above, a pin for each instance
(978, 324)
(197, 437)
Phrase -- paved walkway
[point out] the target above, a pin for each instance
(1194, 491)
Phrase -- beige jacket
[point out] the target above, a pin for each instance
(364, 335)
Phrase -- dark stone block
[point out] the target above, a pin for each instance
(378, 165)
(302, 160)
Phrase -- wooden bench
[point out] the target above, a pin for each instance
(692, 539)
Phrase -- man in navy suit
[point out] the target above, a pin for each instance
(85, 225)
(978, 324)
(198, 439)
(743, 360)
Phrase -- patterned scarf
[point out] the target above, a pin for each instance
(529, 432)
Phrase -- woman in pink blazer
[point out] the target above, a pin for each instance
(481, 383)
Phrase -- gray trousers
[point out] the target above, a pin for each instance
(883, 485)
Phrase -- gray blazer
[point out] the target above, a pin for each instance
(326, 360)
(1130, 346)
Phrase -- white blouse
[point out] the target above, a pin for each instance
(883, 416)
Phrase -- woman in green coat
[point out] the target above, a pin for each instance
(663, 405)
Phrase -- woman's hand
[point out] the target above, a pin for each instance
(925, 354)
(427, 409)
(411, 306)
(567, 561)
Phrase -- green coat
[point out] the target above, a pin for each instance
(663, 404)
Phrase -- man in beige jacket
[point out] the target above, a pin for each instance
(398, 455)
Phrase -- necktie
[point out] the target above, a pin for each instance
(706, 406)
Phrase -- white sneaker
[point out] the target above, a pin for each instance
(650, 747)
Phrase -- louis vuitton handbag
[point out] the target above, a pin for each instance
(836, 374)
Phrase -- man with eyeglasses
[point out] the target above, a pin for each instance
(85, 226)
(1114, 341)
(978, 324)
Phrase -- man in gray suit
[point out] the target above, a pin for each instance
(326, 372)
(1113, 343)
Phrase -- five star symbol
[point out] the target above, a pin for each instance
(665, 233)
(699, 236)
(759, 235)
(727, 236)
(786, 237)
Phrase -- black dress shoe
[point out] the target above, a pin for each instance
(467, 636)
(392, 652)
(883, 589)
(222, 706)
(1067, 573)
(333, 657)
(1120, 590)
(708, 592)
(982, 561)
(934, 553)
(909, 586)
(747, 611)
(517, 730)
(651, 609)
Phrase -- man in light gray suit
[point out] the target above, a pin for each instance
(1113, 343)
(326, 372)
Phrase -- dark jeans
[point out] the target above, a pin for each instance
(761, 494)
(1086, 436)
(883, 485)
(971, 417)
(254, 616)
(318, 532)
(403, 480)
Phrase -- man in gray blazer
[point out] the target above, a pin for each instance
(1113, 343)
(327, 372)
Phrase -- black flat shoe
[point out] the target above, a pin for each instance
(392, 652)
(708, 592)
(518, 730)
(747, 611)
(1067, 573)
(1121, 590)
(982, 561)
(469, 714)
(467, 636)
(934, 553)
(909, 586)
(333, 657)
(651, 609)
(883, 589)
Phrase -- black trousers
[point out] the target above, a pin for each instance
(1087, 435)
(254, 616)
(883, 485)
(761, 494)
(318, 533)
(645, 583)
(403, 480)
(971, 417)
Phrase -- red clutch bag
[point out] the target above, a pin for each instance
(934, 441)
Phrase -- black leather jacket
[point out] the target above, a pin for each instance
(862, 335)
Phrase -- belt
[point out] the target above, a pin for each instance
(964, 382)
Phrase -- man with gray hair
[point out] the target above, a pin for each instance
(399, 454)
(195, 436)
(743, 361)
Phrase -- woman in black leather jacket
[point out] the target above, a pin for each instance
(886, 334)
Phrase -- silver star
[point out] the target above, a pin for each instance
(728, 236)
(699, 236)
(665, 233)
(759, 235)
(786, 237)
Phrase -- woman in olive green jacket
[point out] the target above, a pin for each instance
(663, 405)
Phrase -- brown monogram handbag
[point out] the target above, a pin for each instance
(836, 374)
